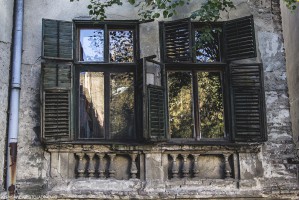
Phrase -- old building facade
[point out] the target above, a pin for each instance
(90, 105)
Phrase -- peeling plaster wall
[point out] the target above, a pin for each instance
(291, 32)
(265, 173)
(6, 21)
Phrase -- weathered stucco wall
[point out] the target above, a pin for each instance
(291, 32)
(263, 173)
(6, 20)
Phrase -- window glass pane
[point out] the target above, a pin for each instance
(122, 106)
(92, 105)
(180, 104)
(92, 44)
(211, 104)
(208, 50)
(121, 46)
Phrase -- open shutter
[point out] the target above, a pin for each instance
(152, 106)
(239, 38)
(176, 40)
(56, 98)
(57, 39)
(248, 103)
(156, 113)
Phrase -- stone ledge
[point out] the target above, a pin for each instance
(198, 148)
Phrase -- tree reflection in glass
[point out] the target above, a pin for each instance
(92, 44)
(180, 104)
(122, 105)
(208, 49)
(91, 105)
(211, 104)
(121, 46)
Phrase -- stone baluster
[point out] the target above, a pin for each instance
(185, 166)
(101, 169)
(228, 170)
(91, 166)
(134, 169)
(81, 165)
(196, 166)
(111, 167)
(175, 167)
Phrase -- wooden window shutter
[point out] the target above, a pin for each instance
(156, 112)
(56, 101)
(151, 103)
(57, 39)
(176, 40)
(248, 103)
(239, 39)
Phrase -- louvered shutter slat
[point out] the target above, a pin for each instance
(156, 108)
(56, 123)
(56, 93)
(177, 41)
(239, 38)
(248, 103)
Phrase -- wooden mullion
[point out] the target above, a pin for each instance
(196, 111)
(107, 97)
(106, 44)
(57, 75)
(58, 35)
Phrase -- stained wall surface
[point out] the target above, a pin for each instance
(6, 10)
(290, 32)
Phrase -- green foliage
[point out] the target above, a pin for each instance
(291, 4)
(151, 9)
(181, 100)
(210, 11)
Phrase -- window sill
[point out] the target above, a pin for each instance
(195, 146)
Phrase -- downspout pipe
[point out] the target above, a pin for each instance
(14, 99)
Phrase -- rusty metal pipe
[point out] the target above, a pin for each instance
(14, 99)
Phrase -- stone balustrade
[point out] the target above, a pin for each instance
(107, 165)
(197, 166)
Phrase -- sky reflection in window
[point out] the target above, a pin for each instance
(92, 45)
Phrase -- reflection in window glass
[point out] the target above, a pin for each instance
(208, 51)
(92, 105)
(122, 106)
(211, 104)
(180, 104)
(92, 44)
(121, 46)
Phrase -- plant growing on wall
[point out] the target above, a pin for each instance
(291, 4)
(151, 9)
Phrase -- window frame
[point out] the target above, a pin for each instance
(193, 65)
(107, 68)
(230, 38)
(196, 67)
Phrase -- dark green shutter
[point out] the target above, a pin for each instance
(248, 103)
(151, 122)
(156, 112)
(56, 75)
(57, 39)
(176, 40)
(239, 38)
(56, 98)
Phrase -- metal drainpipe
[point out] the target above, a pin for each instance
(15, 87)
